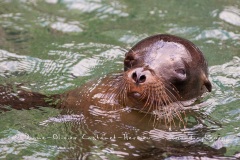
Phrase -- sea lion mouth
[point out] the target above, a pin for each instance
(135, 95)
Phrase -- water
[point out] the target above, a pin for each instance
(53, 46)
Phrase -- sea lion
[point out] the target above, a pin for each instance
(159, 72)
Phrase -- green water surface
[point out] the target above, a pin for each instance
(53, 46)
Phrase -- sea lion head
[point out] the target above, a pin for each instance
(163, 69)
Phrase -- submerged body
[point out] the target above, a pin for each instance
(159, 71)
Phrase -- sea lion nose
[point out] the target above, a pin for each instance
(139, 76)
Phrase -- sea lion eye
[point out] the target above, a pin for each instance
(128, 62)
(129, 59)
(181, 74)
(180, 71)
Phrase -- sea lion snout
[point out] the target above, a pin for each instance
(140, 76)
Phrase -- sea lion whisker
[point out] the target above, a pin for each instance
(147, 100)
(112, 82)
(122, 94)
(113, 92)
(152, 101)
(148, 103)
(158, 104)
(149, 93)
(125, 94)
(159, 96)
(146, 112)
(121, 88)
(124, 91)
(143, 95)
(170, 92)
(150, 108)
(166, 102)
(180, 117)
(118, 91)
(175, 112)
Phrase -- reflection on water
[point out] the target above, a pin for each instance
(103, 9)
(231, 15)
(52, 46)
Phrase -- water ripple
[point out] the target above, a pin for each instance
(228, 74)
(159, 135)
(231, 15)
(65, 27)
(217, 34)
(57, 73)
(226, 82)
(103, 10)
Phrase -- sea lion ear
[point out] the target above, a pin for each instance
(208, 85)
(206, 81)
